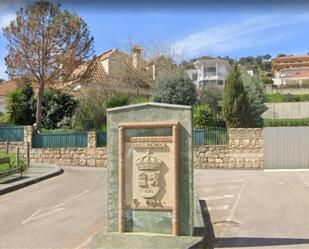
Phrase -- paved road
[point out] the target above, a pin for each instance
(247, 209)
(61, 212)
(255, 209)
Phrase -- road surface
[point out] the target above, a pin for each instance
(61, 212)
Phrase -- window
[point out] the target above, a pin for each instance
(210, 70)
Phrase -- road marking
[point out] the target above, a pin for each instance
(84, 244)
(224, 207)
(231, 214)
(34, 217)
(209, 198)
(236, 202)
(304, 181)
(53, 210)
(30, 217)
(71, 199)
(285, 170)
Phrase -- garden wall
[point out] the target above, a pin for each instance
(88, 156)
(287, 110)
(245, 150)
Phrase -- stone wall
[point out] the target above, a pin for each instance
(245, 150)
(70, 156)
(89, 156)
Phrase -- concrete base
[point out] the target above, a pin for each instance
(142, 241)
(106, 240)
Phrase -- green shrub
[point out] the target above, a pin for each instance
(174, 87)
(91, 113)
(57, 107)
(117, 100)
(291, 98)
(4, 118)
(140, 99)
(286, 122)
(304, 84)
(278, 97)
(203, 116)
(21, 105)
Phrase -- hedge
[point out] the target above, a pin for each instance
(286, 122)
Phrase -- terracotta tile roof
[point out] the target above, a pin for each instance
(291, 58)
(106, 54)
(154, 60)
(8, 86)
(92, 73)
(298, 75)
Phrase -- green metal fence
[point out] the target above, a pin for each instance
(210, 136)
(60, 140)
(101, 138)
(11, 133)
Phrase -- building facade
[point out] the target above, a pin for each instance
(209, 72)
(290, 69)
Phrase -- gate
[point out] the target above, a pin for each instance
(286, 147)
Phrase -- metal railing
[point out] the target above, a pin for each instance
(11, 133)
(60, 140)
(101, 138)
(210, 136)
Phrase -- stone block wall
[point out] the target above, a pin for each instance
(245, 150)
(90, 156)
(70, 156)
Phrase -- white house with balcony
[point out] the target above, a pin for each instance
(209, 72)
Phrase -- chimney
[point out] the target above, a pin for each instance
(137, 58)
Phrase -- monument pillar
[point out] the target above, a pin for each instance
(150, 171)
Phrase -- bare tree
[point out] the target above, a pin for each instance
(45, 44)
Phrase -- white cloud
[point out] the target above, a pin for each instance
(6, 18)
(3, 75)
(247, 33)
(7, 4)
(8, 10)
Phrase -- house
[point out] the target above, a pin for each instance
(290, 69)
(209, 72)
(115, 71)
(118, 71)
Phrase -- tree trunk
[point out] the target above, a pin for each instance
(38, 115)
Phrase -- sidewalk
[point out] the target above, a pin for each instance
(35, 173)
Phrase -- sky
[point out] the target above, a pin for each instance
(184, 31)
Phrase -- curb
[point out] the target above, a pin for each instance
(30, 182)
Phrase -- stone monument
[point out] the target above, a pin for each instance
(150, 171)
(150, 180)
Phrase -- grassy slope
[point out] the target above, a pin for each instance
(278, 97)
(12, 163)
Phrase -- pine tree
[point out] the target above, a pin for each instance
(236, 109)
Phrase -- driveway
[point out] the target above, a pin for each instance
(255, 209)
(61, 212)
